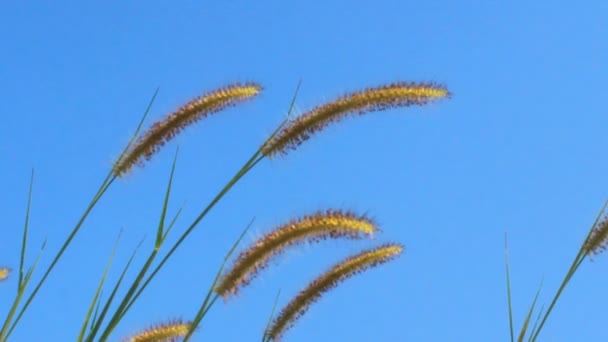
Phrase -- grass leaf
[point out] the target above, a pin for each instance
(524, 328)
(95, 301)
(124, 304)
(206, 304)
(274, 307)
(509, 301)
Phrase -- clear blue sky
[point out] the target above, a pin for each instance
(519, 148)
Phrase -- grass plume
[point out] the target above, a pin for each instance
(168, 331)
(358, 263)
(312, 228)
(166, 129)
(400, 94)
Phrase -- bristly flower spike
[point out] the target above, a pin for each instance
(4, 272)
(166, 129)
(401, 94)
(298, 306)
(598, 239)
(163, 332)
(311, 228)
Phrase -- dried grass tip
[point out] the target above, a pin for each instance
(310, 228)
(340, 272)
(401, 94)
(166, 129)
(162, 332)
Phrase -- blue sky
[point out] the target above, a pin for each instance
(519, 148)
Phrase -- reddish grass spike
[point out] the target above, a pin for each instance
(312, 228)
(401, 94)
(340, 272)
(166, 129)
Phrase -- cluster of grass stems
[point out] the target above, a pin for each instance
(103, 316)
(594, 243)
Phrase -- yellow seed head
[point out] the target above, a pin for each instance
(166, 129)
(311, 228)
(169, 331)
(298, 306)
(303, 127)
(4, 272)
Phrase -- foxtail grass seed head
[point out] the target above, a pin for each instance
(401, 94)
(598, 239)
(340, 272)
(4, 273)
(164, 130)
(163, 332)
(311, 228)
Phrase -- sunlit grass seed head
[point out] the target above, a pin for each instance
(340, 272)
(162, 332)
(598, 239)
(401, 94)
(166, 129)
(310, 228)
(4, 273)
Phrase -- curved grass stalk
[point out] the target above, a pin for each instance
(164, 130)
(401, 94)
(310, 228)
(340, 272)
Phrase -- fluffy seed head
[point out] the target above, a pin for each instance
(166, 129)
(162, 332)
(298, 306)
(312, 228)
(598, 239)
(303, 127)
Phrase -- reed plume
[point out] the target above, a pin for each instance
(166, 129)
(401, 94)
(312, 228)
(169, 331)
(358, 263)
(4, 273)
(598, 238)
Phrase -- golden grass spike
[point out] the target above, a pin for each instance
(298, 306)
(168, 331)
(166, 129)
(303, 127)
(311, 228)
(598, 239)
(4, 273)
